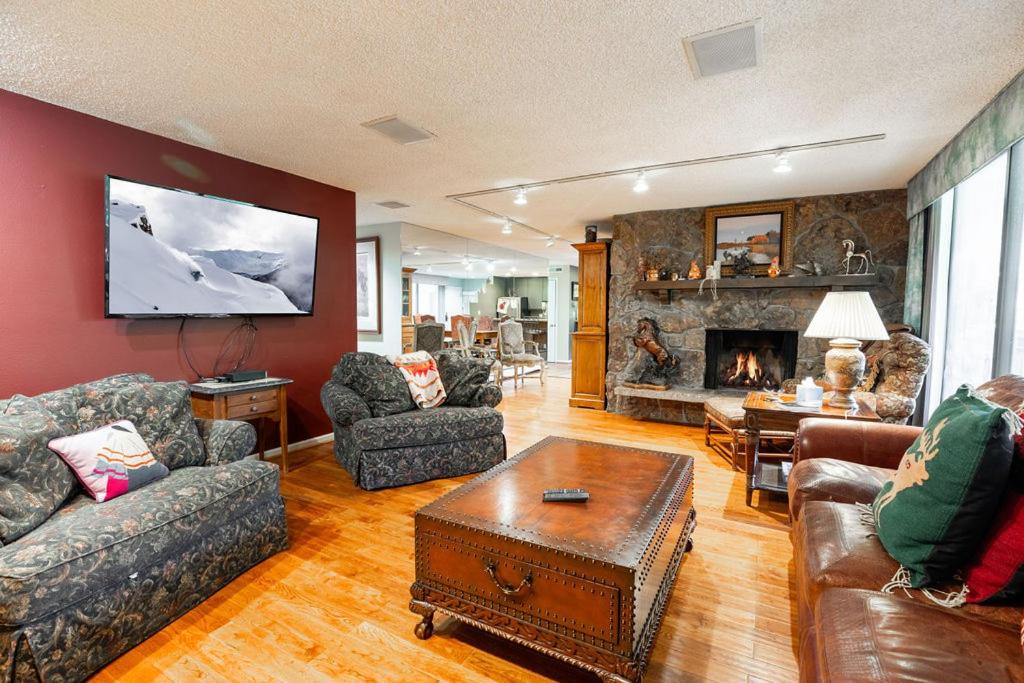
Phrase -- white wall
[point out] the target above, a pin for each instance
(558, 336)
(389, 341)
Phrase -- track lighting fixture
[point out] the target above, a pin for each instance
(417, 252)
(507, 228)
(551, 242)
(782, 163)
(520, 197)
(641, 183)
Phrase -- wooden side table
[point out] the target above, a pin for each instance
(762, 415)
(256, 400)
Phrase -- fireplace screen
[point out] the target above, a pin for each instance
(749, 359)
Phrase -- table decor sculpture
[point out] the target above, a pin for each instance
(652, 366)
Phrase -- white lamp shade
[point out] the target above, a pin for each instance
(850, 315)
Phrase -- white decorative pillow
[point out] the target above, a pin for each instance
(109, 461)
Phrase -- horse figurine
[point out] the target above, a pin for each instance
(866, 263)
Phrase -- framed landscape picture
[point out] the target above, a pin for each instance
(368, 293)
(755, 233)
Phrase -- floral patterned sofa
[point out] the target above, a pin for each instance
(95, 579)
(382, 439)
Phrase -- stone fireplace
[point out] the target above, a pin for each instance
(748, 359)
(691, 321)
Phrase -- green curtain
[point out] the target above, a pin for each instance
(992, 131)
(913, 296)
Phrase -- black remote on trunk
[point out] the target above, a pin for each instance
(566, 496)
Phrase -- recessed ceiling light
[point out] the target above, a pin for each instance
(393, 205)
(520, 197)
(397, 130)
(782, 163)
(507, 228)
(641, 183)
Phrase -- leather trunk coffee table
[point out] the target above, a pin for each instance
(584, 582)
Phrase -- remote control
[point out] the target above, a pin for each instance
(566, 496)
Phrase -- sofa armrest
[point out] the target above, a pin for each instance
(488, 395)
(343, 406)
(226, 440)
(868, 443)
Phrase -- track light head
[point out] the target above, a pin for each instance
(782, 163)
(520, 197)
(641, 185)
(507, 228)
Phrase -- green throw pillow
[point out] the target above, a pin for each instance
(936, 509)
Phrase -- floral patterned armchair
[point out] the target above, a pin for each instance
(382, 439)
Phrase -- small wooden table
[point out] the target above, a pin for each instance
(262, 398)
(584, 582)
(763, 415)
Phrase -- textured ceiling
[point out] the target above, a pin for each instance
(525, 91)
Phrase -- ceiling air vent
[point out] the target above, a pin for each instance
(393, 205)
(397, 130)
(727, 49)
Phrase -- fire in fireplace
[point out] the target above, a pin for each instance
(749, 359)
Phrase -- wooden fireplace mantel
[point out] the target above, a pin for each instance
(833, 282)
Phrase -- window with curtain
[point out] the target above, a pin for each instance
(974, 255)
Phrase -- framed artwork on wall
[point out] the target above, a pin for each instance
(746, 237)
(368, 294)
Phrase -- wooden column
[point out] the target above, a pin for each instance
(590, 341)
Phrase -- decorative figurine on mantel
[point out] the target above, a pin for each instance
(773, 269)
(652, 366)
(694, 273)
(865, 261)
(741, 265)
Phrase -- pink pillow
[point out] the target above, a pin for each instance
(109, 461)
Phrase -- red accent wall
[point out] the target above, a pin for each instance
(52, 330)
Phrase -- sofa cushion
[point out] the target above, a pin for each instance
(462, 377)
(835, 480)
(34, 482)
(379, 383)
(109, 461)
(867, 636)
(424, 427)
(160, 411)
(834, 548)
(87, 546)
(944, 494)
(997, 571)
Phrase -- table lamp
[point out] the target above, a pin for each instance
(847, 319)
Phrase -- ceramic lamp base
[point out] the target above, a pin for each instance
(844, 370)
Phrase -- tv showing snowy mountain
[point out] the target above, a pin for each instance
(174, 253)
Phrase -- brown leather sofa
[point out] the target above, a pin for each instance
(848, 629)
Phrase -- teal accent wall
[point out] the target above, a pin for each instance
(993, 130)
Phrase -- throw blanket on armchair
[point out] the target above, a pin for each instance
(420, 371)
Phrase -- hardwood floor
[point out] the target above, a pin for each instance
(334, 606)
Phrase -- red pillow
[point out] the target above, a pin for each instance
(997, 572)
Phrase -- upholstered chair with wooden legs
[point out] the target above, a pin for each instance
(428, 337)
(515, 352)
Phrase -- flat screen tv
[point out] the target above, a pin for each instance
(173, 253)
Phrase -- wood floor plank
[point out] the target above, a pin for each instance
(334, 606)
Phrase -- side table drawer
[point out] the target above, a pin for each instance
(581, 606)
(251, 409)
(250, 397)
